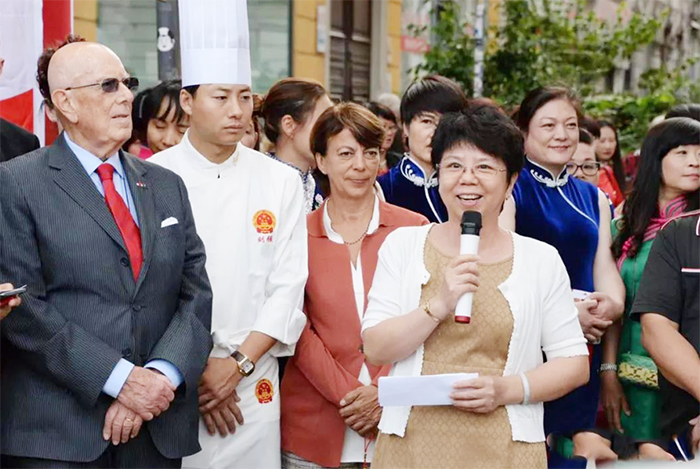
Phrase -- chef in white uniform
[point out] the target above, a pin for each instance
(249, 212)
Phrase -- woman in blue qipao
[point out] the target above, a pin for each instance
(413, 182)
(574, 217)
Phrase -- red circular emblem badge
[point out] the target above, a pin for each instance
(264, 221)
(264, 391)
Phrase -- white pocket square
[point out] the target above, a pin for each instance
(169, 222)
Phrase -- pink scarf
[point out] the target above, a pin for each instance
(672, 209)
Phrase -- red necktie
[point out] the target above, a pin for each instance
(125, 222)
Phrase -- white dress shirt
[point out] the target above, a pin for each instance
(354, 444)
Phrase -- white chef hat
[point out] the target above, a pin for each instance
(214, 42)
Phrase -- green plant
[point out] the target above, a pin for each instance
(558, 43)
(674, 81)
(630, 114)
(660, 88)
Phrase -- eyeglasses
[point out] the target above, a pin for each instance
(481, 171)
(110, 85)
(589, 168)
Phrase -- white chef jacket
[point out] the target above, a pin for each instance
(249, 212)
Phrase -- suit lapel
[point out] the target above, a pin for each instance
(145, 207)
(73, 179)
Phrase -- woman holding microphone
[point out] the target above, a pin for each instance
(495, 420)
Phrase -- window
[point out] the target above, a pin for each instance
(128, 27)
(351, 51)
(610, 80)
(628, 79)
(269, 23)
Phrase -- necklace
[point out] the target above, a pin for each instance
(361, 237)
(363, 234)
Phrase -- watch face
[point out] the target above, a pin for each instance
(247, 366)
(244, 364)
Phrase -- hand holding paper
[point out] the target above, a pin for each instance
(580, 295)
(420, 390)
(481, 395)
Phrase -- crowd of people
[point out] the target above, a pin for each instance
(219, 279)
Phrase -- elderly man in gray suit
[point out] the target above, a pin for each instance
(113, 332)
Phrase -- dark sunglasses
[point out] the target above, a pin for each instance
(589, 169)
(110, 85)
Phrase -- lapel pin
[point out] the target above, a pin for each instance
(140, 184)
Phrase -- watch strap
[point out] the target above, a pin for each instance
(241, 360)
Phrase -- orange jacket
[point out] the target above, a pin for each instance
(328, 359)
(608, 184)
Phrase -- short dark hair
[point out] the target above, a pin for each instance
(363, 124)
(685, 110)
(42, 73)
(147, 106)
(478, 103)
(192, 89)
(584, 136)
(537, 98)
(486, 128)
(591, 125)
(295, 97)
(380, 110)
(433, 93)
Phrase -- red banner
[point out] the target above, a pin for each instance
(58, 23)
(18, 110)
(26, 27)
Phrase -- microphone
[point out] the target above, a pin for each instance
(469, 244)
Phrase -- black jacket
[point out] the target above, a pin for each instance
(15, 141)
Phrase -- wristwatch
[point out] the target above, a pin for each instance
(245, 365)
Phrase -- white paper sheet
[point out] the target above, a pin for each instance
(419, 390)
(580, 294)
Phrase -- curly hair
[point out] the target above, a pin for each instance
(42, 74)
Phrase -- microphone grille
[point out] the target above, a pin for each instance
(471, 218)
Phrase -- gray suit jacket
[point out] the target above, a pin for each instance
(84, 311)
